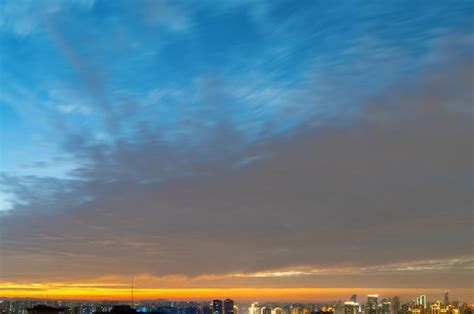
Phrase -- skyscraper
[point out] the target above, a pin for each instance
(354, 298)
(446, 298)
(351, 307)
(254, 308)
(386, 307)
(217, 307)
(395, 304)
(372, 303)
(421, 300)
(228, 306)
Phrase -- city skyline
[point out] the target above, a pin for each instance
(283, 149)
(375, 304)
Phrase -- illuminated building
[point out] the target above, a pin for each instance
(372, 303)
(450, 309)
(254, 308)
(295, 310)
(386, 307)
(350, 307)
(306, 310)
(435, 308)
(326, 310)
(446, 298)
(421, 301)
(266, 310)
(228, 306)
(217, 307)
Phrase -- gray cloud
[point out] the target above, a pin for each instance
(402, 169)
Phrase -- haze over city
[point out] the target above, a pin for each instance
(255, 150)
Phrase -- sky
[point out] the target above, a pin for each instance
(295, 150)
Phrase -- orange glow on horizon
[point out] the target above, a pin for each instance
(122, 292)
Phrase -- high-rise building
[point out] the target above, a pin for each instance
(372, 303)
(386, 307)
(266, 310)
(350, 307)
(217, 307)
(353, 298)
(421, 301)
(435, 308)
(395, 304)
(446, 298)
(254, 308)
(228, 306)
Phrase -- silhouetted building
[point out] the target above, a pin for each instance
(228, 306)
(446, 298)
(44, 309)
(217, 307)
(206, 310)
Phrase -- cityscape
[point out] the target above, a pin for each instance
(236, 156)
(370, 304)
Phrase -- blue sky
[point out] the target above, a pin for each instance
(101, 99)
(75, 65)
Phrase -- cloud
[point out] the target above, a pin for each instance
(403, 162)
(74, 108)
(28, 17)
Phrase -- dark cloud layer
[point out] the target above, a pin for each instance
(393, 184)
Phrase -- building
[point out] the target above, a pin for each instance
(4, 307)
(435, 308)
(350, 307)
(217, 307)
(44, 309)
(395, 305)
(278, 310)
(386, 307)
(228, 306)
(372, 304)
(446, 298)
(421, 301)
(254, 308)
